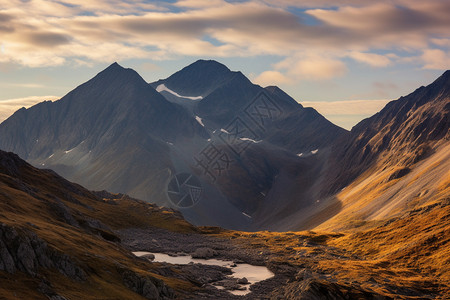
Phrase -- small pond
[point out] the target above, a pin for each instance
(252, 273)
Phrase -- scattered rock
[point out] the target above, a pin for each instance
(148, 287)
(22, 250)
(243, 281)
(204, 253)
(63, 213)
(148, 256)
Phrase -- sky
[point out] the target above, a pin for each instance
(346, 58)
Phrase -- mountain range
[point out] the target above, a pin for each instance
(260, 159)
(373, 202)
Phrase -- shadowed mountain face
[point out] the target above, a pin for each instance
(111, 132)
(119, 133)
(227, 95)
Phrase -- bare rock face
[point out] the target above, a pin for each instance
(147, 287)
(25, 251)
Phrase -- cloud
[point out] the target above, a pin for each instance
(441, 42)
(44, 32)
(271, 78)
(318, 68)
(372, 59)
(199, 3)
(46, 39)
(305, 66)
(436, 59)
(8, 107)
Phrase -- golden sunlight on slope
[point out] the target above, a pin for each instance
(385, 192)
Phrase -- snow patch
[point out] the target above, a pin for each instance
(163, 87)
(314, 151)
(300, 154)
(250, 140)
(224, 131)
(68, 151)
(248, 216)
(199, 120)
(51, 155)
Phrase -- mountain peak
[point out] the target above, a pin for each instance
(208, 64)
(198, 78)
(114, 67)
(115, 73)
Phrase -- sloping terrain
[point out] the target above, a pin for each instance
(377, 204)
(396, 161)
(402, 258)
(57, 238)
(402, 133)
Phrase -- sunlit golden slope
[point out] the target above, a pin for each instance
(386, 192)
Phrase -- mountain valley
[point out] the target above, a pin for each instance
(229, 169)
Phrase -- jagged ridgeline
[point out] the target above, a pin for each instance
(251, 157)
(117, 132)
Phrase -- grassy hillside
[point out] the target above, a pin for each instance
(79, 224)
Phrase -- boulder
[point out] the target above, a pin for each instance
(204, 253)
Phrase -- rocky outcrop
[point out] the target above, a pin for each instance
(321, 289)
(146, 286)
(24, 251)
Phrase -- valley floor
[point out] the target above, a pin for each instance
(312, 265)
